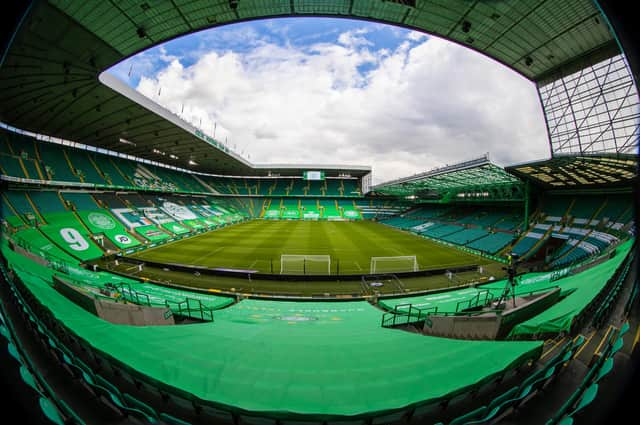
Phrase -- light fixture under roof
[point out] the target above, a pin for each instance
(127, 142)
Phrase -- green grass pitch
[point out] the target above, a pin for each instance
(258, 244)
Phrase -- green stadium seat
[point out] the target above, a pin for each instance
(50, 411)
(426, 409)
(113, 395)
(28, 378)
(135, 403)
(578, 342)
(213, 413)
(5, 332)
(70, 413)
(256, 420)
(86, 374)
(567, 420)
(478, 413)
(587, 397)
(529, 386)
(497, 405)
(46, 405)
(617, 345)
(390, 418)
(172, 420)
(623, 329)
(66, 361)
(604, 369)
(13, 351)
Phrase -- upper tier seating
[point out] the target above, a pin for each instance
(29, 158)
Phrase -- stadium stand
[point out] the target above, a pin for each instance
(21, 204)
(80, 201)
(57, 164)
(487, 229)
(47, 201)
(226, 324)
(290, 208)
(379, 208)
(491, 243)
(587, 390)
(20, 157)
(286, 362)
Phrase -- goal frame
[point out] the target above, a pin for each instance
(374, 262)
(304, 258)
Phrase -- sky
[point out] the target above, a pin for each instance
(337, 91)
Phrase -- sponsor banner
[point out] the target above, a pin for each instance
(73, 239)
(101, 222)
(152, 233)
(421, 227)
(156, 215)
(124, 240)
(178, 212)
(176, 228)
(195, 224)
(131, 218)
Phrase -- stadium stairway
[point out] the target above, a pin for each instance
(616, 379)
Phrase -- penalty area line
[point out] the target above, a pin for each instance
(208, 254)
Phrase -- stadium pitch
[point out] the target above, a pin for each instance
(258, 245)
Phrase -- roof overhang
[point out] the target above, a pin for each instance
(50, 75)
(572, 172)
(478, 179)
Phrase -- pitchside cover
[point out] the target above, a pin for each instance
(101, 222)
(178, 212)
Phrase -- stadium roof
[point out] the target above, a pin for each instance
(49, 76)
(582, 171)
(470, 180)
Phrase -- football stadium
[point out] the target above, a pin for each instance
(152, 274)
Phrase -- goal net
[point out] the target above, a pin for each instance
(305, 264)
(398, 264)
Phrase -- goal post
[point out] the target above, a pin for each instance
(305, 264)
(397, 264)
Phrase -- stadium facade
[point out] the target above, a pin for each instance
(103, 191)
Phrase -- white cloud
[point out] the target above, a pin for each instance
(422, 105)
(354, 38)
(416, 36)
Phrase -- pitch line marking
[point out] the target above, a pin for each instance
(207, 254)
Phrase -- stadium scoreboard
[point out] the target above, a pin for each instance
(313, 175)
